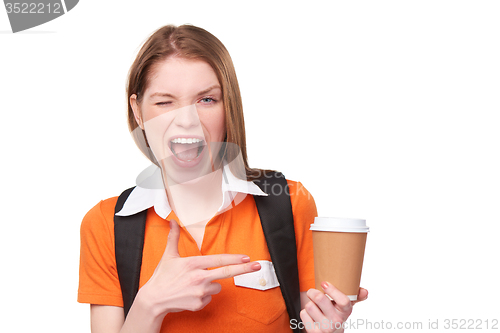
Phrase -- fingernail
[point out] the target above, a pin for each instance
(255, 266)
(245, 259)
(324, 285)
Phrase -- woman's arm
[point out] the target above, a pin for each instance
(110, 319)
(106, 319)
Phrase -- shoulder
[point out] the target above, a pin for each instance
(100, 217)
(298, 192)
(302, 200)
(296, 189)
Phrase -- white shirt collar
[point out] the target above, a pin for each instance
(148, 194)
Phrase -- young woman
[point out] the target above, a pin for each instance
(204, 245)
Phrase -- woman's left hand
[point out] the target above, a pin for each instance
(321, 314)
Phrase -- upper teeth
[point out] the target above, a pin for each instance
(186, 140)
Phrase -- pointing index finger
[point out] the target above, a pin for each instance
(220, 260)
(229, 265)
(230, 271)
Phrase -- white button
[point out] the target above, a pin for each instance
(262, 282)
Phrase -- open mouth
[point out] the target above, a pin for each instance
(186, 149)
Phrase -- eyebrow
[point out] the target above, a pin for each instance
(203, 92)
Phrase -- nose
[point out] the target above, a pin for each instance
(187, 117)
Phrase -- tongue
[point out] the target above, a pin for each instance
(185, 152)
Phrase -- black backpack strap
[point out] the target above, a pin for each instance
(276, 216)
(129, 243)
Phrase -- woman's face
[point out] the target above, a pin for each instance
(183, 116)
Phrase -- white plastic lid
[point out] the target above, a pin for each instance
(337, 224)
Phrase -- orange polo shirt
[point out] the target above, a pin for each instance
(237, 230)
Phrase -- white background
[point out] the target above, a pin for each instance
(384, 110)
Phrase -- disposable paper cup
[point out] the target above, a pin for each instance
(339, 248)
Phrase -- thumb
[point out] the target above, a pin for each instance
(172, 248)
